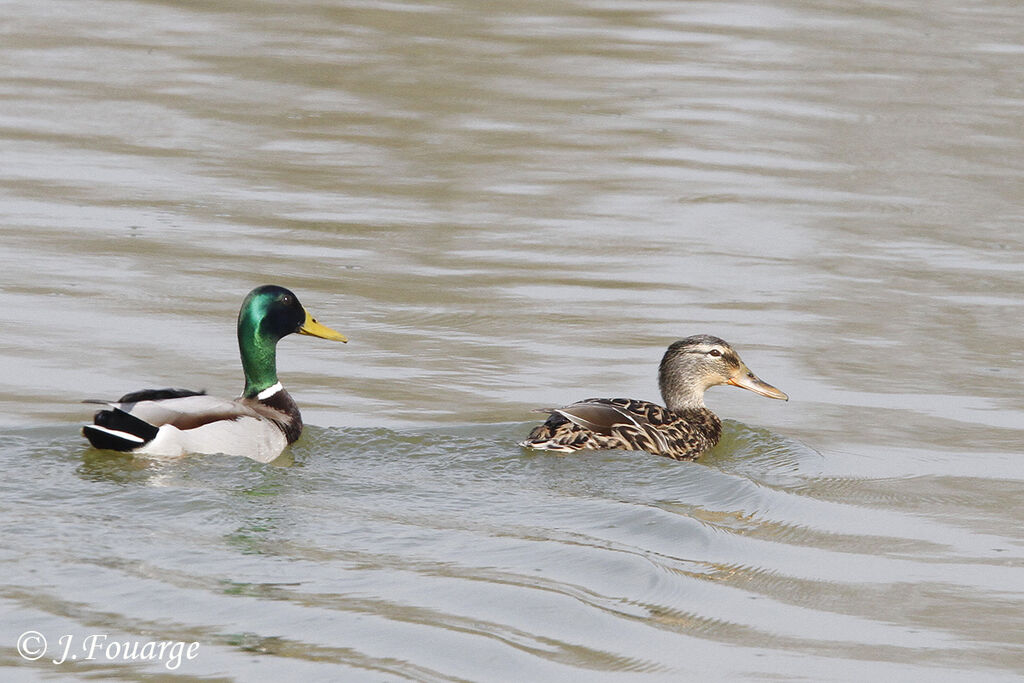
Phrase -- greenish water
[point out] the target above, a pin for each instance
(508, 206)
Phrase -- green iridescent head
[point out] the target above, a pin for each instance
(268, 314)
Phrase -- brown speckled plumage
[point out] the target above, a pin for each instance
(644, 426)
(682, 431)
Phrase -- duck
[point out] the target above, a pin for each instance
(682, 429)
(259, 424)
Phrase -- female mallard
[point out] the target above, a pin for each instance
(258, 424)
(682, 430)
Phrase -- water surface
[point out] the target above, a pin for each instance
(506, 206)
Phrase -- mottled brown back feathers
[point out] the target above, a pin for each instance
(628, 424)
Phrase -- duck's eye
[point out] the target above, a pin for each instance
(714, 352)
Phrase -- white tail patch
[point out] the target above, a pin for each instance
(121, 435)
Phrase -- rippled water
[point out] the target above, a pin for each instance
(503, 206)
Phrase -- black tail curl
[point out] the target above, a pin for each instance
(114, 430)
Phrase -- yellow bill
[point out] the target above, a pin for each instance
(315, 329)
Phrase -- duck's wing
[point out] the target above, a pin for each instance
(147, 419)
(186, 412)
(599, 415)
(600, 423)
(637, 423)
(161, 406)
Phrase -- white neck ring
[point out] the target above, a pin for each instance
(269, 391)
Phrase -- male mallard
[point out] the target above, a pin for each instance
(682, 430)
(258, 424)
